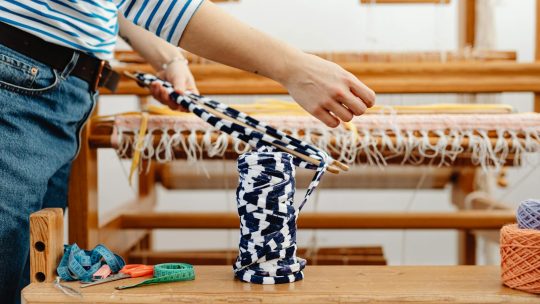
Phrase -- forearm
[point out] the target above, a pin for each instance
(216, 35)
(155, 50)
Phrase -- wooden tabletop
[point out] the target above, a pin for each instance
(322, 284)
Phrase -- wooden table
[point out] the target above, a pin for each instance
(322, 284)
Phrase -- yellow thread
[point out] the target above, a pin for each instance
(140, 144)
(354, 130)
(282, 108)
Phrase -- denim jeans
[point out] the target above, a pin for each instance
(41, 113)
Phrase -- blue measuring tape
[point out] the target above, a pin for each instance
(78, 264)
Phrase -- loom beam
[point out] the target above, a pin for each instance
(461, 220)
(384, 78)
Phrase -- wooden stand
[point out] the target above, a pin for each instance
(46, 244)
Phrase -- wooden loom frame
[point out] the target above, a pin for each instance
(122, 231)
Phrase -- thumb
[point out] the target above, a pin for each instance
(176, 80)
(179, 85)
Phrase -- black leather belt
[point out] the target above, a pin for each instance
(96, 72)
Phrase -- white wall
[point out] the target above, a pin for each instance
(344, 25)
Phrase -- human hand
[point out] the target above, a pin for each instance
(179, 75)
(327, 91)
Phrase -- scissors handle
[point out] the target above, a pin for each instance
(138, 270)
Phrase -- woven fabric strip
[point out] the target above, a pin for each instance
(262, 135)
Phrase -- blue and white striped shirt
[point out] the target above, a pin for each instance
(91, 25)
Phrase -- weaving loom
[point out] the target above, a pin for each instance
(462, 150)
(489, 135)
(466, 71)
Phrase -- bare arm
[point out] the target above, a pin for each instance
(321, 87)
(158, 52)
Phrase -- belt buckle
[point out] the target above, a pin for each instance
(99, 74)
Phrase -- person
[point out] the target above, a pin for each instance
(53, 60)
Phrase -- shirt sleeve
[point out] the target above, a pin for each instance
(166, 18)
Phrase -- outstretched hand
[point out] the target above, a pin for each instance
(327, 91)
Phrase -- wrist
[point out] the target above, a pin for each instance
(166, 65)
(166, 56)
(292, 69)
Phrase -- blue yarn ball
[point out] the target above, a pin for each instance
(528, 214)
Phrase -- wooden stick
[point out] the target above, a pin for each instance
(465, 54)
(474, 219)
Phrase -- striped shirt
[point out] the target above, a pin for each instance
(91, 26)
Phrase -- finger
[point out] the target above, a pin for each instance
(179, 85)
(190, 85)
(168, 100)
(362, 91)
(156, 90)
(163, 97)
(339, 110)
(353, 103)
(326, 117)
(179, 107)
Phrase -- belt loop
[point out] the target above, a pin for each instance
(98, 75)
(70, 66)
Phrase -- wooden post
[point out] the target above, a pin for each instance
(147, 189)
(83, 195)
(46, 244)
(464, 183)
(467, 23)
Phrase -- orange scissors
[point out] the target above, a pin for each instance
(138, 270)
(128, 271)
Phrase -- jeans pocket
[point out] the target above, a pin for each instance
(84, 121)
(25, 77)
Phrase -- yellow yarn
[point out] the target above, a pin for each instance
(281, 108)
(137, 154)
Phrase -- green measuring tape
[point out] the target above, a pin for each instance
(165, 273)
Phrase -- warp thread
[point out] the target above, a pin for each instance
(520, 249)
(265, 199)
(378, 138)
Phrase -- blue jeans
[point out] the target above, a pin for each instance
(41, 113)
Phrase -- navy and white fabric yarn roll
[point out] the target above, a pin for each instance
(267, 250)
(265, 199)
